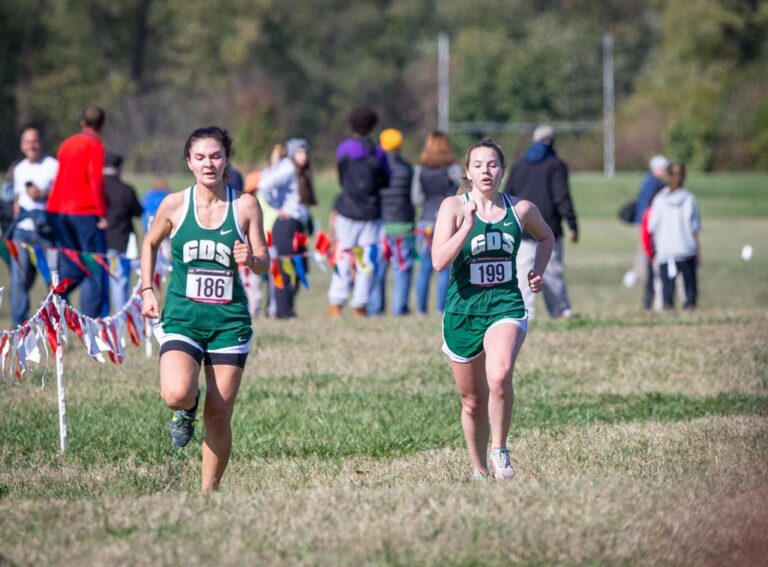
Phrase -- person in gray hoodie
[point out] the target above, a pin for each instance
(675, 223)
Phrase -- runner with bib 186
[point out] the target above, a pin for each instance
(477, 234)
(205, 320)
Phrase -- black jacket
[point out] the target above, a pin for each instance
(122, 207)
(436, 184)
(396, 203)
(361, 178)
(542, 178)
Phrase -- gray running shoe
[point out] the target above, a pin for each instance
(183, 425)
(502, 464)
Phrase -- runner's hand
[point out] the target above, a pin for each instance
(149, 306)
(242, 253)
(535, 281)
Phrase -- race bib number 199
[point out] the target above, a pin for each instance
(490, 272)
(209, 286)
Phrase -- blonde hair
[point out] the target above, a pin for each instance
(466, 184)
(278, 152)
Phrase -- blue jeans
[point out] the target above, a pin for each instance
(401, 279)
(425, 274)
(79, 232)
(23, 275)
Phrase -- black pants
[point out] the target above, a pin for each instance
(283, 233)
(686, 267)
(649, 286)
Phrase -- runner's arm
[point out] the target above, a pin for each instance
(536, 226)
(159, 230)
(454, 222)
(256, 256)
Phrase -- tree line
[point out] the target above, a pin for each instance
(690, 75)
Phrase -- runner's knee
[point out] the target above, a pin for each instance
(474, 406)
(217, 416)
(498, 375)
(178, 396)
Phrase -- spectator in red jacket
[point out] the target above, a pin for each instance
(646, 242)
(77, 207)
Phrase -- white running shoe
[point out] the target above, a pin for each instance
(502, 464)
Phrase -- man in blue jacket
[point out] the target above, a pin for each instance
(654, 182)
(542, 178)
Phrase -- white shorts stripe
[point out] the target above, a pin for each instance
(237, 349)
(163, 337)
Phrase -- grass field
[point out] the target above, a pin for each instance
(638, 438)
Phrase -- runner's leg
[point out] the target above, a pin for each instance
(502, 344)
(473, 389)
(179, 373)
(222, 384)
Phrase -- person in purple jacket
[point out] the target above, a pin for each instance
(357, 226)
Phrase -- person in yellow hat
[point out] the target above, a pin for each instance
(398, 214)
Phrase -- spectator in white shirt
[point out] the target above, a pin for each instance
(33, 178)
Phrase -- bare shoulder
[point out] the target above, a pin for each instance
(452, 205)
(171, 204)
(523, 208)
(247, 203)
(245, 199)
(173, 200)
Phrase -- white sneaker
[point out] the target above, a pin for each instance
(502, 464)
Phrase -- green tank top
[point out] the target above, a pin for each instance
(484, 274)
(205, 290)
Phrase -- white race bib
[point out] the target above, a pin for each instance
(209, 286)
(490, 272)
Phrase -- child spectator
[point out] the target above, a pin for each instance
(675, 222)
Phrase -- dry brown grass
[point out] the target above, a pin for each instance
(694, 493)
(685, 493)
(684, 357)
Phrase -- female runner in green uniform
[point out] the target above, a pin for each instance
(213, 230)
(478, 233)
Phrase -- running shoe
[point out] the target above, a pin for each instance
(183, 425)
(478, 477)
(502, 464)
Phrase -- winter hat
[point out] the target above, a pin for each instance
(391, 139)
(658, 162)
(543, 133)
(114, 160)
(295, 144)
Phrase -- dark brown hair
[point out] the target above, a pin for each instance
(436, 151)
(363, 120)
(93, 117)
(209, 132)
(306, 185)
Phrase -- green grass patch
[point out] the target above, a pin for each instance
(331, 425)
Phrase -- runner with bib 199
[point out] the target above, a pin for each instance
(477, 234)
(205, 320)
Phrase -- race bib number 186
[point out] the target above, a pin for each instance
(209, 286)
(490, 272)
